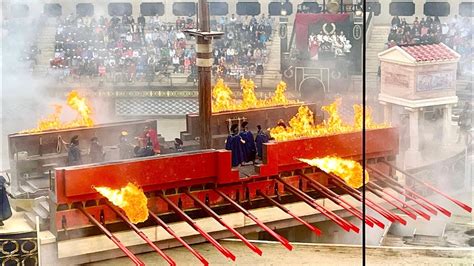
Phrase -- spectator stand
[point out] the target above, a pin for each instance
(149, 52)
(455, 33)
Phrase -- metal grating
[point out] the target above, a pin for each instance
(155, 106)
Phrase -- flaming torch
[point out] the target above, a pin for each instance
(348, 170)
(130, 199)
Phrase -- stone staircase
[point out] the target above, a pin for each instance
(271, 75)
(45, 42)
(375, 45)
(41, 208)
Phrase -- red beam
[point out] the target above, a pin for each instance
(142, 235)
(151, 174)
(419, 212)
(283, 155)
(340, 201)
(180, 240)
(356, 194)
(193, 224)
(114, 239)
(219, 219)
(311, 202)
(398, 206)
(410, 193)
(457, 202)
(283, 208)
(278, 237)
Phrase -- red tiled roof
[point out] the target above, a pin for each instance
(430, 52)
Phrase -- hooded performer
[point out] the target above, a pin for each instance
(249, 145)
(235, 143)
(259, 140)
(5, 210)
(74, 153)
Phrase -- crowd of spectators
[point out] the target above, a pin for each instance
(456, 33)
(332, 43)
(122, 49)
(243, 49)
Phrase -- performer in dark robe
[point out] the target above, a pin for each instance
(259, 140)
(235, 143)
(249, 149)
(5, 210)
(125, 147)
(74, 153)
(96, 151)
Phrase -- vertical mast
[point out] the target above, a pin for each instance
(204, 63)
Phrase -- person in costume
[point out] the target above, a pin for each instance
(249, 149)
(5, 210)
(96, 151)
(149, 134)
(125, 147)
(74, 153)
(261, 138)
(235, 144)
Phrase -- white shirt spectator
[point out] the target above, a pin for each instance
(444, 29)
(175, 60)
(180, 35)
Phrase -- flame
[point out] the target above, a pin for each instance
(348, 170)
(53, 121)
(79, 104)
(279, 96)
(130, 198)
(302, 124)
(223, 98)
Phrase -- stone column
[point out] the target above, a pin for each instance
(387, 112)
(414, 130)
(413, 155)
(447, 127)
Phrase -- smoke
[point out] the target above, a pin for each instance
(25, 96)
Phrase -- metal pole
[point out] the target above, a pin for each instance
(410, 193)
(455, 201)
(283, 208)
(347, 226)
(392, 217)
(114, 239)
(141, 234)
(339, 201)
(194, 225)
(252, 217)
(38, 239)
(419, 212)
(170, 231)
(219, 219)
(204, 64)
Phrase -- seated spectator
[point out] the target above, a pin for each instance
(124, 50)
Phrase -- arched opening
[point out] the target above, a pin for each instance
(312, 89)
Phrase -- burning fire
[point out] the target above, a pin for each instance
(223, 98)
(249, 99)
(130, 198)
(348, 170)
(53, 121)
(302, 124)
